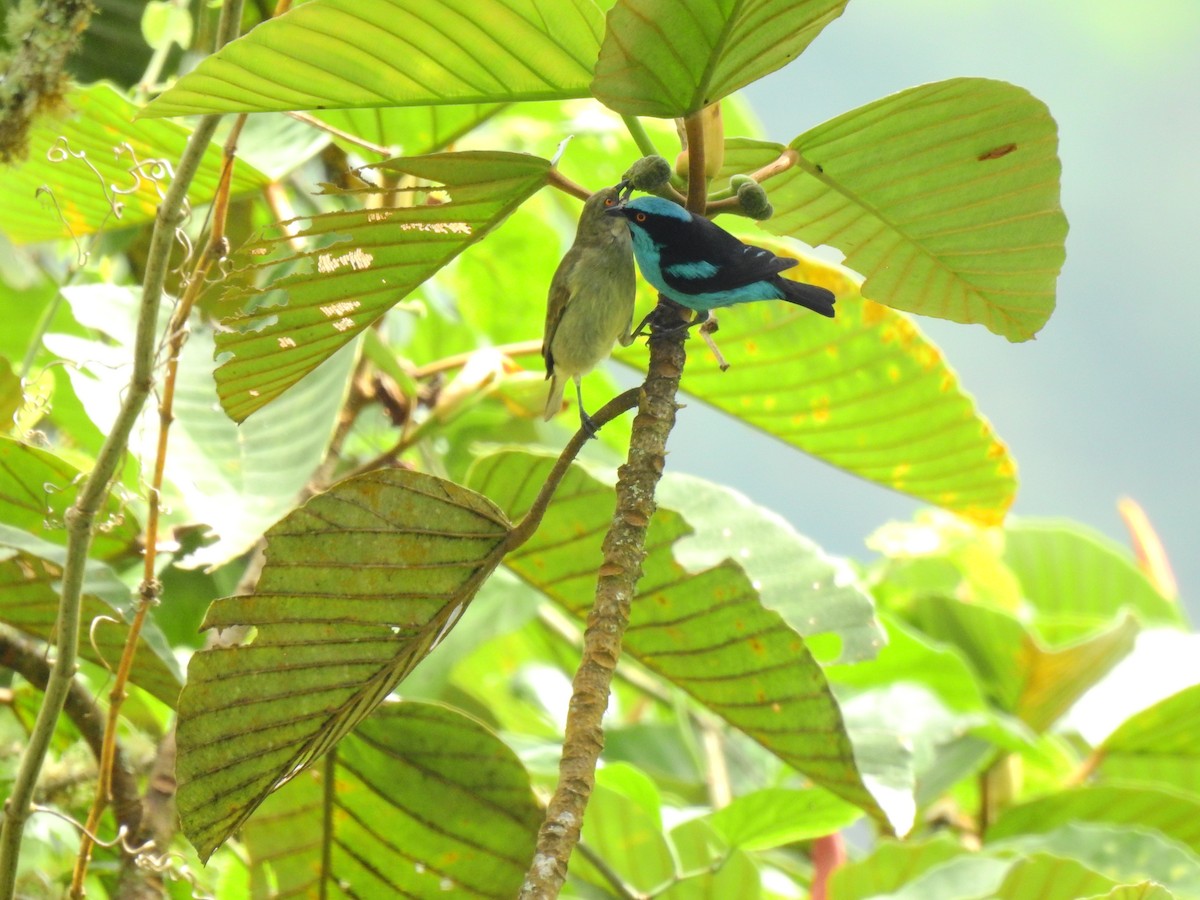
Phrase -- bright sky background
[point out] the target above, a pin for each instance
(1104, 403)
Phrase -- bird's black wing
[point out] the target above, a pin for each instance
(699, 257)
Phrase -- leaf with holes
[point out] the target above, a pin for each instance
(91, 159)
(669, 58)
(364, 262)
(359, 586)
(706, 631)
(866, 392)
(331, 54)
(946, 196)
(459, 811)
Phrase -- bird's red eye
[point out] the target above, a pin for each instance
(641, 217)
(609, 202)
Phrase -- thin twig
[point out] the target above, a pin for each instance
(785, 161)
(341, 135)
(80, 517)
(563, 183)
(517, 348)
(622, 890)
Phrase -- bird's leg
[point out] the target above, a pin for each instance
(585, 421)
(641, 329)
(659, 329)
(684, 327)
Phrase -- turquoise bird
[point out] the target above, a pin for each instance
(702, 266)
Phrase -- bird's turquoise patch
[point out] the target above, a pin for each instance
(700, 268)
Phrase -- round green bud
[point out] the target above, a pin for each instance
(649, 174)
(754, 200)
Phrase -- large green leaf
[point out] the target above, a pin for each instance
(424, 802)
(833, 603)
(1036, 683)
(1159, 745)
(30, 582)
(360, 263)
(707, 632)
(946, 196)
(1174, 814)
(359, 53)
(668, 58)
(1123, 853)
(1077, 579)
(100, 169)
(37, 488)
(866, 392)
(359, 585)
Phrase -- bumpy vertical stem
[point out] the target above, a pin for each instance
(624, 551)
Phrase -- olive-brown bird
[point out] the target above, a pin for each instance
(591, 300)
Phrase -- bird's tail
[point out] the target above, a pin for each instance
(554, 400)
(818, 299)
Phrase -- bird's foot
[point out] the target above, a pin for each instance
(587, 424)
(664, 322)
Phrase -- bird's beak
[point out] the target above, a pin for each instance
(615, 210)
(624, 186)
